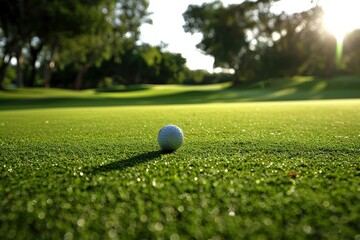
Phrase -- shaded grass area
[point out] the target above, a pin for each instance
(311, 83)
(280, 170)
(298, 88)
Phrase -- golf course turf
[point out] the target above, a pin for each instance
(254, 170)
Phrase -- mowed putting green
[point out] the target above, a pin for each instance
(245, 171)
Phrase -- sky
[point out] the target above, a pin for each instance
(167, 26)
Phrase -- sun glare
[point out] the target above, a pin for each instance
(340, 17)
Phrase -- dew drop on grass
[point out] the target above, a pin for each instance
(267, 221)
(175, 236)
(65, 205)
(49, 225)
(143, 218)
(180, 208)
(307, 229)
(112, 233)
(30, 207)
(291, 190)
(41, 215)
(68, 236)
(80, 222)
(159, 226)
(232, 214)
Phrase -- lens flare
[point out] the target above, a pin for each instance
(340, 18)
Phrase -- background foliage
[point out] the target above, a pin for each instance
(87, 44)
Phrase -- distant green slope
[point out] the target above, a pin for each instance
(297, 88)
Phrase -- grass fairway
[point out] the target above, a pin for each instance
(246, 170)
(296, 88)
(73, 169)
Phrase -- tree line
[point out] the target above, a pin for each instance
(258, 44)
(92, 43)
(50, 35)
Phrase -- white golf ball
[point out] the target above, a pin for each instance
(170, 137)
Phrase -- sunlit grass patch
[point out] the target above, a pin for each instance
(296, 88)
(246, 170)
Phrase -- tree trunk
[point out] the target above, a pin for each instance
(32, 72)
(34, 52)
(49, 67)
(138, 74)
(3, 67)
(236, 78)
(82, 72)
(2, 75)
(20, 68)
(80, 76)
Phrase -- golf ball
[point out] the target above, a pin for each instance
(170, 137)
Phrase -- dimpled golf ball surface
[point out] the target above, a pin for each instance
(170, 138)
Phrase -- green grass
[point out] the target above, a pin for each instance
(252, 170)
(297, 88)
(246, 170)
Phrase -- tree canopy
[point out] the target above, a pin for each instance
(257, 43)
(83, 33)
(78, 44)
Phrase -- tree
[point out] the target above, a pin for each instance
(302, 46)
(93, 30)
(11, 35)
(117, 29)
(145, 64)
(257, 43)
(352, 52)
(31, 25)
(226, 31)
(172, 68)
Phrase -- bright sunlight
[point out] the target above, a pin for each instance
(340, 17)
